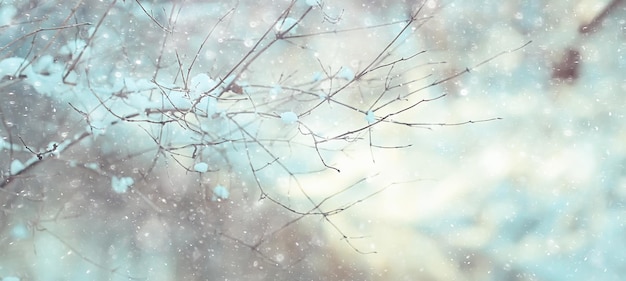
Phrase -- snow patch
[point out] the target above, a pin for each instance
(7, 13)
(93, 166)
(286, 24)
(73, 48)
(317, 76)
(138, 85)
(121, 185)
(312, 3)
(200, 84)
(14, 66)
(97, 128)
(289, 117)
(369, 117)
(346, 73)
(46, 66)
(220, 192)
(275, 91)
(53, 149)
(16, 167)
(201, 167)
(140, 102)
(19, 232)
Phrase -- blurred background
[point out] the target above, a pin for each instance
(538, 195)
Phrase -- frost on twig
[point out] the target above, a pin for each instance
(204, 123)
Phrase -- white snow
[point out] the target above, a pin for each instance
(220, 192)
(73, 48)
(97, 128)
(138, 85)
(289, 117)
(48, 83)
(121, 185)
(346, 73)
(201, 167)
(7, 12)
(7, 145)
(11, 66)
(275, 91)
(16, 167)
(4, 144)
(285, 24)
(317, 76)
(46, 64)
(54, 149)
(312, 2)
(200, 84)
(19, 231)
(93, 166)
(369, 117)
(140, 101)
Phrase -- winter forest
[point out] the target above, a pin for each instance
(312, 140)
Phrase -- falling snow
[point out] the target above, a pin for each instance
(325, 139)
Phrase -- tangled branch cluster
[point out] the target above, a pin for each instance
(193, 120)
